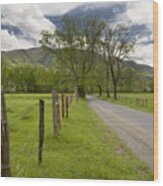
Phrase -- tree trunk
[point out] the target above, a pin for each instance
(107, 92)
(115, 90)
(100, 90)
(107, 82)
(115, 80)
(81, 91)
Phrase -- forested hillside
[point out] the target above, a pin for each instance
(37, 70)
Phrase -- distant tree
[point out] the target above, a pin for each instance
(127, 79)
(24, 78)
(75, 46)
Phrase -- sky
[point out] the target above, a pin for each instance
(21, 24)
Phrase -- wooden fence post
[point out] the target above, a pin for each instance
(41, 130)
(58, 111)
(63, 106)
(67, 106)
(55, 119)
(5, 146)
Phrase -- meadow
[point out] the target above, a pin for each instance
(130, 100)
(85, 148)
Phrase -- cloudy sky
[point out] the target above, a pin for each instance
(21, 24)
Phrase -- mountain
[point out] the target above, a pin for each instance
(32, 55)
(43, 57)
(139, 67)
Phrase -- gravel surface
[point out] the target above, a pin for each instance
(134, 127)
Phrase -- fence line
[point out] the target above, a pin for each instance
(66, 101)
(140, 102)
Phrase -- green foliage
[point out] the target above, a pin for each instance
(86, 147)
(31, 78)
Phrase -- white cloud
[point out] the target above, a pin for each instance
(10, 42)
(58, 8)
(143, 54)
(141, 12)
(28, 18)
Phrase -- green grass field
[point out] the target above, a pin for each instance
(85, 148)
(129, 99)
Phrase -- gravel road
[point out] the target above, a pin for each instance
(134, 127)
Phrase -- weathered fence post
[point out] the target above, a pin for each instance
(63, 106)
(5, 146)
(58, 111)
(41, 130)
(67, 106)
(55, 119)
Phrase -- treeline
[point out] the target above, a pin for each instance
(26, 78)
(33, 78)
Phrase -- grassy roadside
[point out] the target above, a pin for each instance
(85, 148)
(129, 100)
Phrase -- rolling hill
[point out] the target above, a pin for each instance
(32, 55)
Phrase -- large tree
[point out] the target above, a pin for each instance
(104, 58)
(119, 43)
(75, 45)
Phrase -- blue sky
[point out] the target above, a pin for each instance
(22, 23)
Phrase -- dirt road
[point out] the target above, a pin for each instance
(134, 127)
